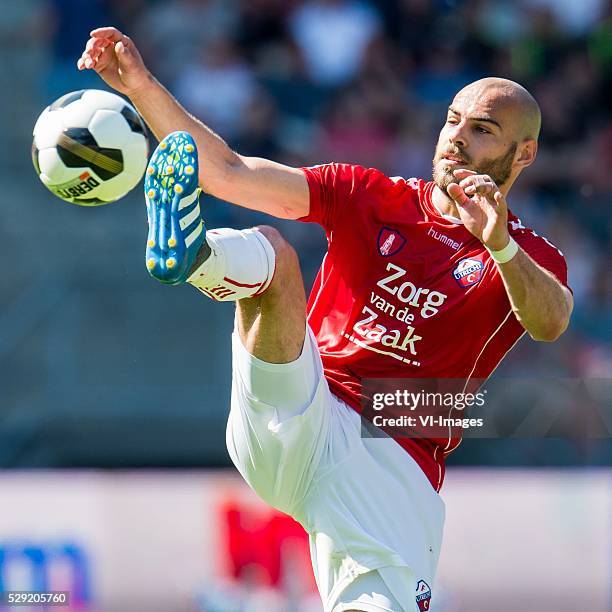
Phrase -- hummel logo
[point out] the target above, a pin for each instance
(444, 239)
(517, 225)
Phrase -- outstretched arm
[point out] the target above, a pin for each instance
(251, 182)
(539, 301)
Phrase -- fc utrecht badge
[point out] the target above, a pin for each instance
(423, 595)
(468, 271)
(390, 242)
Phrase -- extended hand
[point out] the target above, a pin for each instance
(116, 59)
(482, 207)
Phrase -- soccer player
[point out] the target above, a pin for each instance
(467, 277)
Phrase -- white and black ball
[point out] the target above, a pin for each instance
(90, 147)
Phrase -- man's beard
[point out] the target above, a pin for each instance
(499, 169)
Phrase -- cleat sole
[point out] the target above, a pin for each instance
(175, 223)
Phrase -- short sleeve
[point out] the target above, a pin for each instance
(333, 188)
(543, 252)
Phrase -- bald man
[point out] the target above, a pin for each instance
(431, 280)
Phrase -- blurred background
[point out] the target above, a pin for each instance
(105, 370)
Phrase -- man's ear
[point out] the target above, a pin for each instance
(526, 152)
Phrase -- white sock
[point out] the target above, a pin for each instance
(241, 265)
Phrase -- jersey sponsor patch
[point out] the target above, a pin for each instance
(390, 241)
(423, 595)
(468, 271)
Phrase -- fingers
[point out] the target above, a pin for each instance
(96, 44)
(476, 183)
(85, 62)
(93, 50)
(126, 52)
(500, 200)
(461, 173)
(456, 192)
(461, 194)
(108, 32)
(108, 47)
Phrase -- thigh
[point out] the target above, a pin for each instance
(271, 325)
(279, 422)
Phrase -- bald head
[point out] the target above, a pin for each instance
(517, 105)
(492, 127)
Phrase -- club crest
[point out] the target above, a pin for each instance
(423, 595)
(390, 241)
(468, 271)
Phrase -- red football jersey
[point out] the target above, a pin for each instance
(405, 292)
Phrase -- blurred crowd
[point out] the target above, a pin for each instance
(368, 82)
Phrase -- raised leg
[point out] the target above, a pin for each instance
(272, 325)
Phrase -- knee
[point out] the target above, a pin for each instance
(281, 247)
(287, 261)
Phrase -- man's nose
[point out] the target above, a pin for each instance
(457, 136)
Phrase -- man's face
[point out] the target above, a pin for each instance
(477, 135)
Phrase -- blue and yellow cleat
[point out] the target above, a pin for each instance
(176, 227)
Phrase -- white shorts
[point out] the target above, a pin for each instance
(364, 502)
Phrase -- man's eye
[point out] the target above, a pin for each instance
(483, 130)
(451, 120)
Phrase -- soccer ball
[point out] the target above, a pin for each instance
(90, 147)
